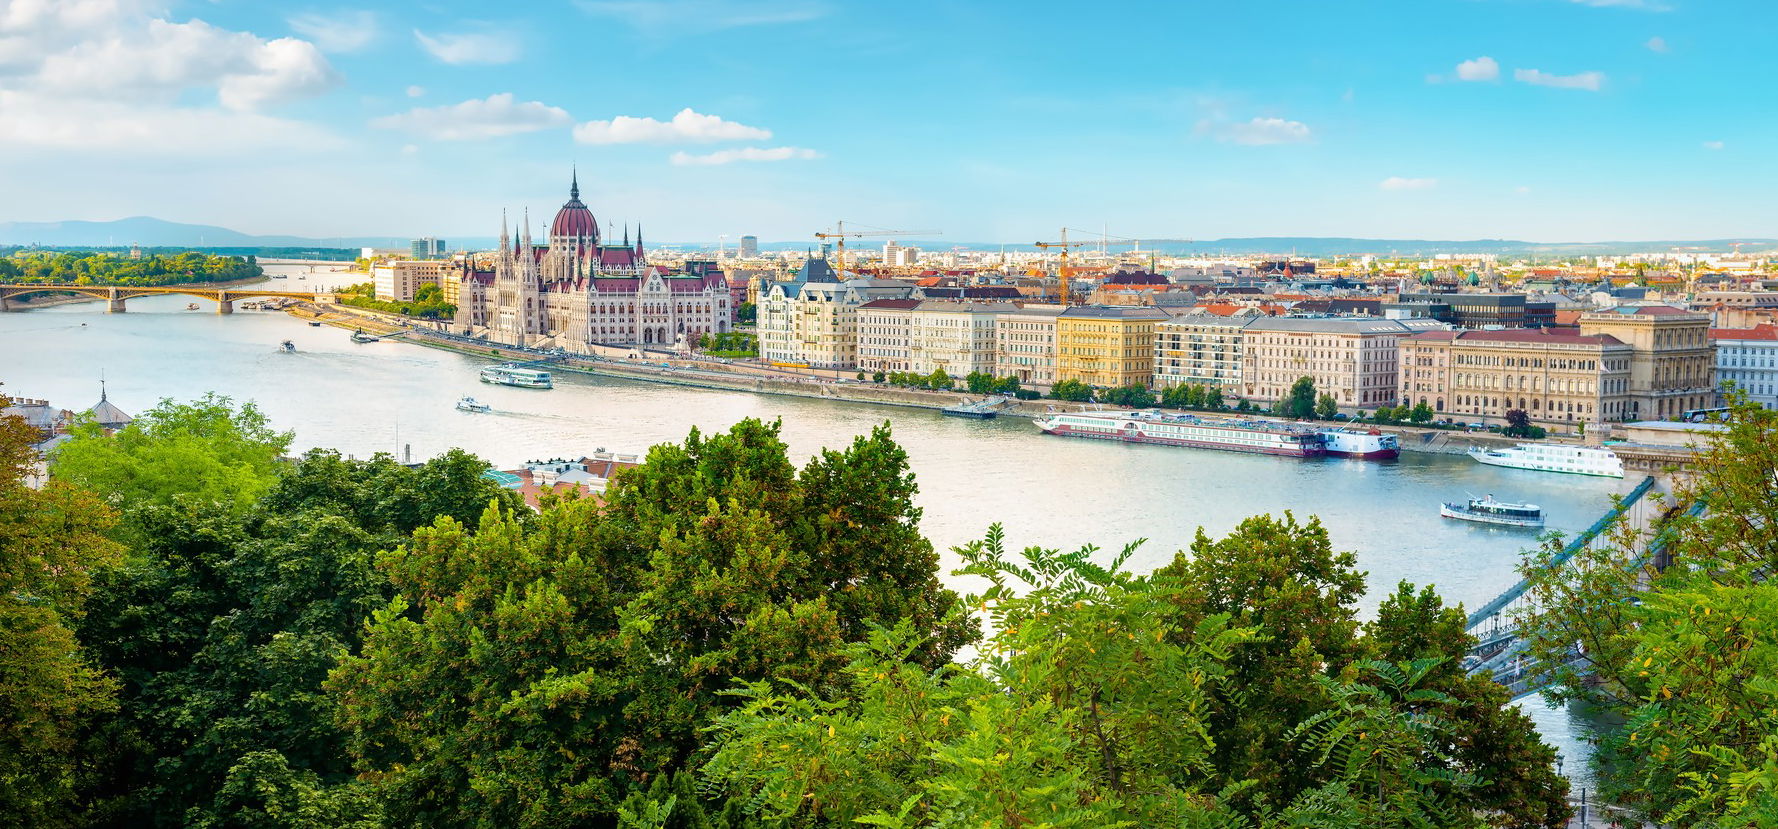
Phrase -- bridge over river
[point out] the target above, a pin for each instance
(116, 296)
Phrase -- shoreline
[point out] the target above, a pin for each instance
(696, 374)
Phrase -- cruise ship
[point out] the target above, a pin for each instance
(1368, 444)
(524, 378)
(1577, 460)
(1259, 436)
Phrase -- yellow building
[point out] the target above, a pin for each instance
(1674, 367)
(1107, 347)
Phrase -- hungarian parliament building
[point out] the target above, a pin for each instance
(578, 290)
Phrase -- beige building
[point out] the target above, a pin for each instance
(1106, 346)
(1352, 358)
(397, 281)
(954, 337)
(1199, 350)
(813, 319)
(1674, 367)
(1556, 378)
(1025, 344)
(883, 335)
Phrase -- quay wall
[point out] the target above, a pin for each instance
(700, 374)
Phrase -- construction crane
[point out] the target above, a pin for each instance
(1064, 245)
(841, 234)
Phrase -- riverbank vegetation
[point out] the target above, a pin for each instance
(202, 631)
(35, 267)
(732, 344)
(428, 302)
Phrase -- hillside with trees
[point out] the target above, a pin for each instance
(29, 266)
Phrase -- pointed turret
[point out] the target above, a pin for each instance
(574, 184)
(626, 234)
(638, 237)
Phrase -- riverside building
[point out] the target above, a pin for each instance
(1199, 350)
(1105, 346)
(1352, 358)
(1674, 365)
(1557, 379)
(812, 320)
(1747, 359)
(1025, 344)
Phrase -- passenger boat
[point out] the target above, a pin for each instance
(1153, 426)
(1371, 445)
(314, 323)
(361, 337)
(511, 375)
(980, 409)
(470, 404)
(1489, 511)
(1576, 460)
(191, 306)
(288, 345)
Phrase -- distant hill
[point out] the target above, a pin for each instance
(151, 232)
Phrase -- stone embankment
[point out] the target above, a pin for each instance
(628, 364)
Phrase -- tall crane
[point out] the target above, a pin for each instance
(1064, 246)
(841, 234)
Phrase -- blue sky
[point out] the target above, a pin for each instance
(1544, 120)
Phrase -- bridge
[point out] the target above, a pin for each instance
(1499, 651)
(115, 296)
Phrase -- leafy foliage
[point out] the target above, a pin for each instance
(36, 267)
(1073, 391)
(425, 304)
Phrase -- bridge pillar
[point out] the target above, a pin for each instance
(3, 307)
(113, 303)
(225, 306)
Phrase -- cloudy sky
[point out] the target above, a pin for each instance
(1534, 119)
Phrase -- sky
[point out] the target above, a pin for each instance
(1542, 120)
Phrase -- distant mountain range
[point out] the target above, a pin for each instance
(151, 232)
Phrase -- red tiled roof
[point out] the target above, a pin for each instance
(1568, 316)
(1536, 335)
(1763, 331)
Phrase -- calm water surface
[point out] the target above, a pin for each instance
(1046, 490)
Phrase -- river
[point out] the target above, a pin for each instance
(1057, 492)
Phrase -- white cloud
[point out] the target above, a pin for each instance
(1483, 68)
(682, 159)
(1589, 81)
(462, 48)
(1399, 183)
(416, 91)
(342, 31)
(1657, 44)
(686, 127)
(127, 129)
(1257, 132)
(473, 119)
(1713, 145)
(660, 17)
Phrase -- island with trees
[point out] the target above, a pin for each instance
(31, 266)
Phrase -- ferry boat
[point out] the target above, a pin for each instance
(191, 306)
(524, 378)
(1576, 460)
(980, 410)
(1371, 445)
(1153, 426)
(1489, 511)
(288, 345)
(470, 404)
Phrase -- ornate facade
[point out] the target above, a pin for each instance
(578, 290)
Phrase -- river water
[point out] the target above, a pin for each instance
(1057, 492)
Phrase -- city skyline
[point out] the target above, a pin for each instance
(1543, 120)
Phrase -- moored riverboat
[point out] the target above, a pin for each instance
(979, 409)
(361, 337)
(1489, 511)
(511, 375)
(1554, 457)
(1265, 437)
(1368, 444)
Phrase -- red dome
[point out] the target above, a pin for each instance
(574, 219)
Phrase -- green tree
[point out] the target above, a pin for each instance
(1300, 402)
(1213, 399)
(428, 294)
(747, 313)
(1072, 390)
(538, 677)
(940, 380)
(1685, 655)
(208, 450)
(51, 541)
(1421, 413)
(1326, 407)
(979, 382)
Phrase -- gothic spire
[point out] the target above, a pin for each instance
(626, 234)
(638, 236)
(574, 184)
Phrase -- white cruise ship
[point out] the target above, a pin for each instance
(1260, 436)
(1578, 460)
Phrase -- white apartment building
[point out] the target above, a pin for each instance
(1747, 358)
(956, 338)
(1200, 350)
(897, 255)
(883, 338)
(1025, 344)
(398, 280)
(813, 320)
(1352, 358)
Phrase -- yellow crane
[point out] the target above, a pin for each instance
(841, 234)
(1064, 245)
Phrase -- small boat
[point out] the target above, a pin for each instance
(512, 375)
(1489, 511)
(470, 404)
(191, 306)
(279, 276)
(314, 324)
(980, 410)
(288, 345)
(361, 337)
